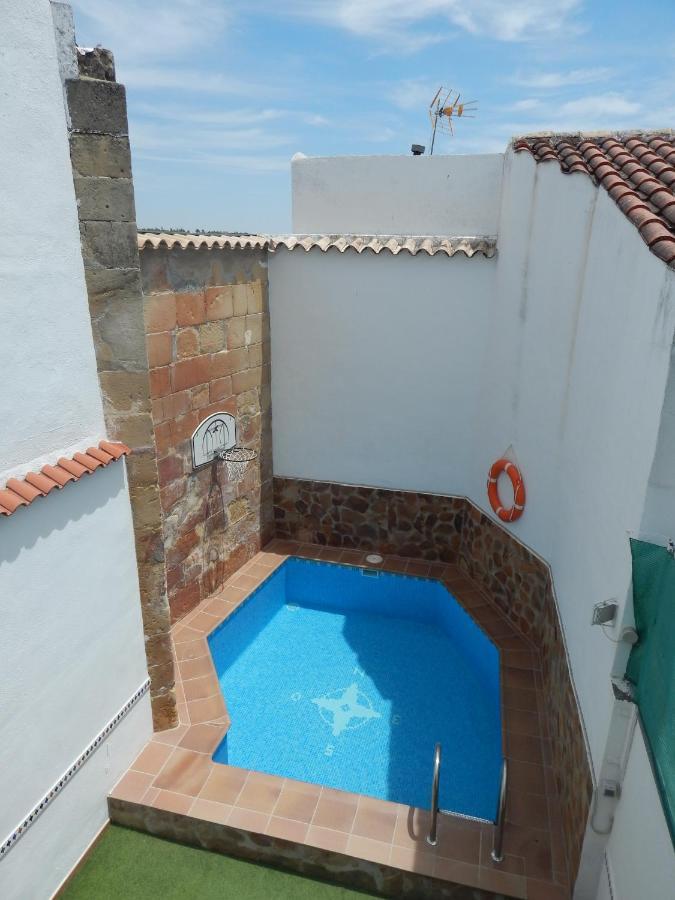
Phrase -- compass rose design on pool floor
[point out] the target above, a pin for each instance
(345, 709)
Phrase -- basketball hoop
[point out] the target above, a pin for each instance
(236, 460)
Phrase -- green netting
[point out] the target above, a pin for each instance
(651, 666)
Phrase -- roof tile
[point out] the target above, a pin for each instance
(376, 243)
(19, 492)
(637, 170)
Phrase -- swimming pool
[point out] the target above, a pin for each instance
(348, 677)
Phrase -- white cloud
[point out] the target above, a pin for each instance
(144, 29)
(525, 105)
(413, 93)
(555, 80)
(407, 25)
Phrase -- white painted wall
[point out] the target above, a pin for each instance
(560, 347)
(449, 195)
(373, 365)
(49, 394)
(641, 860)
(71, 641)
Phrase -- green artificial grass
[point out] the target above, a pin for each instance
(128, 865)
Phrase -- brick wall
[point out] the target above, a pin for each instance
(207, 334)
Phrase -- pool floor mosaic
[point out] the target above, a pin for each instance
(174, 788)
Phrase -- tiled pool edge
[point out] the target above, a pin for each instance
(179, 787)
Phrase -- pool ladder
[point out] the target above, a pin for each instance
(497, 853)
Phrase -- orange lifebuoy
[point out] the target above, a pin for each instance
(514, 512)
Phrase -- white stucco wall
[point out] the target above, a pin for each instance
(49, 395)
(449, 195)
(71, 641)
(562, 351)
(373, 362)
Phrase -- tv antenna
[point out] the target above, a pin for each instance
(443, 111)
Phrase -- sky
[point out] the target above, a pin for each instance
(222, 93)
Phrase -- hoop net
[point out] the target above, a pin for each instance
(236, 460)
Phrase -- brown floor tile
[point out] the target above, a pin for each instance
(210, 811)
(327, 839)
(352, 557)
(374, 820)
(515, 642)
(152, 758)
(469, 599)
(132, 786)
(297, 805)
(520, 659)
(204, 623)
(533, 845)
(282, 547)
(395, 564)
(255, 570)
(192, 650)
(417, 567)
(195, 668)
(287, 829)
(513, 864)
(413, 860)
(503, 883)
(366, 848)
(458, 871)
(260, 793)
(203, 738)
(176, 803)
(206, 710)
(248, 820)
(412, 828)
(201, 688)
(149, 796)
(184, 773)
(521, 721)
(223, 784)
(219, 608)
(330, 554)
(232, 594)
(458, 841)
(172, 736)
(246, 582)
(524, 748)
(519, 698)
(526, 778)
(183, 633)
(527, 809)
(518, 678)
(545, 890)
(335, 813)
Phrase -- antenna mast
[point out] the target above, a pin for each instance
(442, 112)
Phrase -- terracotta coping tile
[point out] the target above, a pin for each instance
(173, 802)
(207, 709)
(503, 882)
(224, 784)
(259, 794)
(185, 772)
(334, 813)
(248, 819)
(327, 839)
(637, 172)
(374, 821)
(456, 870)
(287, 829)
(204, 738)
(22, 492)
(210, 811)
(413, 860)
(152, 758)
(296, 805)
(132, 786)
(367, 848)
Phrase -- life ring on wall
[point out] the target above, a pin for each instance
(514, 512)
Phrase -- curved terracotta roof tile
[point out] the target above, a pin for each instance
(375, 243)
(637, 171)
(21, 492)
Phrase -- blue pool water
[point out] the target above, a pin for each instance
(347, 680)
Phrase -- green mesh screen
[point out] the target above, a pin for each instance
(651, 666)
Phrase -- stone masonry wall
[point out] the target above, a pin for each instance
(101, 162)
(207, 326)
(452, 530)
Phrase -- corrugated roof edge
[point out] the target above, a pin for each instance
(21, 492)
(375, 243)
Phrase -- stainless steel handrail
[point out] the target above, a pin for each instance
(432, 839)
(498, 840)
